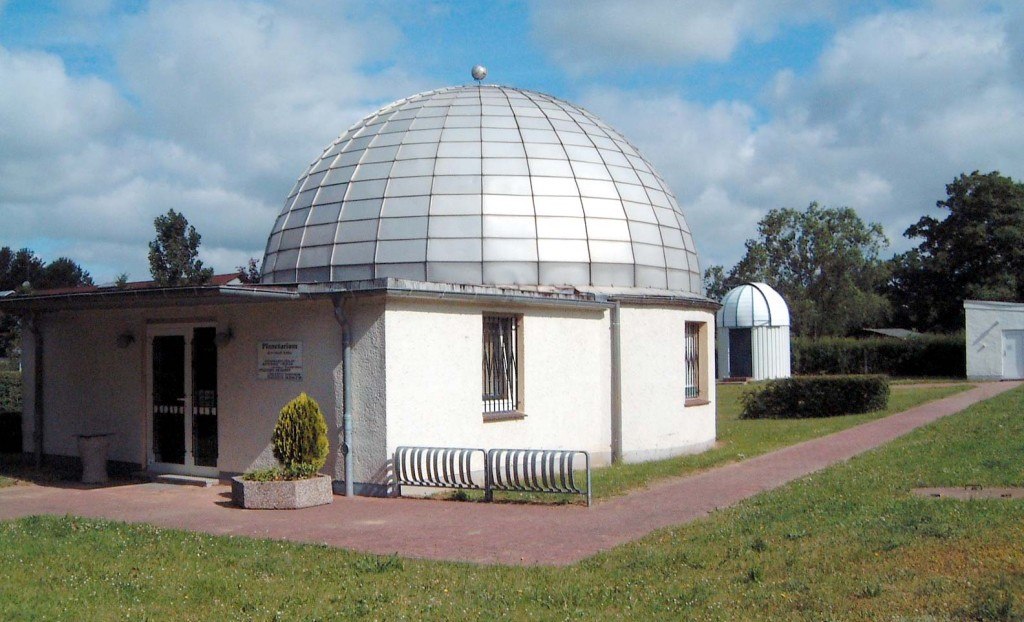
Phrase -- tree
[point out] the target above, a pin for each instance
(174, 254)
(249, 273)
(24, 266)
(18, 267)
(63, 272)
(716, 283)
(976, 252)
(825, 263)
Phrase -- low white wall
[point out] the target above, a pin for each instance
(985, 323)
(92, 386)
(434, 353)
(656, 423)
(770, 352)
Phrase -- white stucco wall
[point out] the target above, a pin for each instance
(93, 386)
(416, 372)
(985, 324)
(434, 353)
(656, 423)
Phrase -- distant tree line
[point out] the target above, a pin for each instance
(827, 262)
(22, 270)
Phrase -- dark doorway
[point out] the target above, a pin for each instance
(740, 357)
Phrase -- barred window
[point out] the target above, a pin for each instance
(692, 360)
(500, 363)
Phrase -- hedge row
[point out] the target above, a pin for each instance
(927, 355)
(10, 391)
(816, 396)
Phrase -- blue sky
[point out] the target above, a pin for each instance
(113, 112)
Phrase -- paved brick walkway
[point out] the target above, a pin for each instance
(479, 532)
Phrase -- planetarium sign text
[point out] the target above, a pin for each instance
(279, 360)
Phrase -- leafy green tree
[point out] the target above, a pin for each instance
(24, 266)
(825, 263)
(975, 252)
(717, 283)
(249, 273)
(63, 272)
(174, 254)
(18, 267)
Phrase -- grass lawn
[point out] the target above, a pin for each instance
(848, 543)
(737, 439)
(6, 481)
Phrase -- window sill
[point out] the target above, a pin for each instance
(696, 401)
(511, 415)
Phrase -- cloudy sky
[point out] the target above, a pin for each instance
(113, 112)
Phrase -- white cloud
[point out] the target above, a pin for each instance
(225, 103)
(899, 104)
(259, 87)
(587, 36)
(44, 109)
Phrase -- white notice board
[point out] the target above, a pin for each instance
(279, 360)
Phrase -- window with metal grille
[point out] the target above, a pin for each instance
(500, 363)
(692, 360)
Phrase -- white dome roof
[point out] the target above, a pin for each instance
(752, 304)
(485, 185)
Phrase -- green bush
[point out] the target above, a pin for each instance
(815, 396)
(927, 355)
(300, 437)
(279, 474)
(10, 391)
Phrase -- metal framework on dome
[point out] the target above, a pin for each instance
(753, 304)
(484, 185)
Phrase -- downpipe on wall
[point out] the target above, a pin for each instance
(346, 374)
(616, 386)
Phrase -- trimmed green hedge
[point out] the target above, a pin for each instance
(10, 391)
(927, 355)
(816, 396)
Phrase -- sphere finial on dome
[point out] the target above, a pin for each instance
(479, 72)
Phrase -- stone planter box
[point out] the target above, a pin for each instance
(286, 495)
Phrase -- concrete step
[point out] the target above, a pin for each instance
(186, 480)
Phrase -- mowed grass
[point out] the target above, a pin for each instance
(740, 438)
(848, 543)
(6, 481)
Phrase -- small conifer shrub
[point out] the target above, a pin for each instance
(300, 438)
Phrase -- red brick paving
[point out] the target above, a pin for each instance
(480, 532)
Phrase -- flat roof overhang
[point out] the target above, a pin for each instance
(198, 295)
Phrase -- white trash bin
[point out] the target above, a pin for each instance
(93, 450)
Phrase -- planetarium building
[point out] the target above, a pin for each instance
(475, 266)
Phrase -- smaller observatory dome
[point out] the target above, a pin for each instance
(752, 304)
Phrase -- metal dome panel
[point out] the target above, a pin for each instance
(752, 304)
(485, 185)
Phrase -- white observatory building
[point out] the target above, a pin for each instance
(474, 266)
(753, 333)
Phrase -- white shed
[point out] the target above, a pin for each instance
(995, 340)
(753, 333)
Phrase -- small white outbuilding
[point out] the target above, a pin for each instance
(753, 333)
(995, 340)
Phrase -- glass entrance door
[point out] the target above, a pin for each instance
(183, 376)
